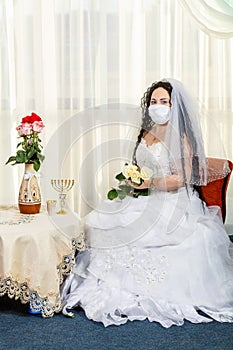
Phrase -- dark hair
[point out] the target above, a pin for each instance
(147, 122)
(188, 131)
(147, 125)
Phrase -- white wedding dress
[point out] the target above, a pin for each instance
(163, 257)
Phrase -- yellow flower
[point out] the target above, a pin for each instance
(146, 173)
(136, 177)
(128, 170)
(124, 189)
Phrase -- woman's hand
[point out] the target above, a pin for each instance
(144, 185)
(167, 183)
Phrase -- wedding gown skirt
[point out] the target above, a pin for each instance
(161, 258)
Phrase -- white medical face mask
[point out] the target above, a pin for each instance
(160, 114)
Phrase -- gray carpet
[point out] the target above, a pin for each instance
(21, 331)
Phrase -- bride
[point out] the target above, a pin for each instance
(166, 256)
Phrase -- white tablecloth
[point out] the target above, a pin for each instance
(36, 251)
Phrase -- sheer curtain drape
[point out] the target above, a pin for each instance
(215, 17)
(83, 65)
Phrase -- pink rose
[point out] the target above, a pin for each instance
(24, 129)
(20, 130)
(37, 126)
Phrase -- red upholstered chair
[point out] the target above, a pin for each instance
(214, 193)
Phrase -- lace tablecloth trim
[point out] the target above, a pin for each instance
(44, 305)
(14, 289)
(21, 291)
(64, 269)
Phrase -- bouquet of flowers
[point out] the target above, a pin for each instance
(30, 147)
(137, 175)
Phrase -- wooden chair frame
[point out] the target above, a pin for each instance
(214, 193)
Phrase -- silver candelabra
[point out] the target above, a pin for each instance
(62, 186)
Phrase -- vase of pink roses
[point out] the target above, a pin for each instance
(30, 153)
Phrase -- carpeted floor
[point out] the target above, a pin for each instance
(21, 331)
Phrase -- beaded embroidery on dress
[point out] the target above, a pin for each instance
(160, 258)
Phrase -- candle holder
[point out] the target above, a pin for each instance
(62, 186)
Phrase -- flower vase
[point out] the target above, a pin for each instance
(29, 200)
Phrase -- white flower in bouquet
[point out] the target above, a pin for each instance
(136, 175)
(146, 173)
(131, 171)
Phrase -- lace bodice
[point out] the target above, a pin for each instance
(154, 157)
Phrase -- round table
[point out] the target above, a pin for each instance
(36, 252)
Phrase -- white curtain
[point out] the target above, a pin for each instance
(215, 17)
(83, 66)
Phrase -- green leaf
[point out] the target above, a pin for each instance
(30, 153)
(37, 148)
(121, 194)
(11, 159)
(120, 177)
(144, 192)
(40, 157)
(20, 157)
(125, 188)
(36, 165)
(20, 152)
(112, 194)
